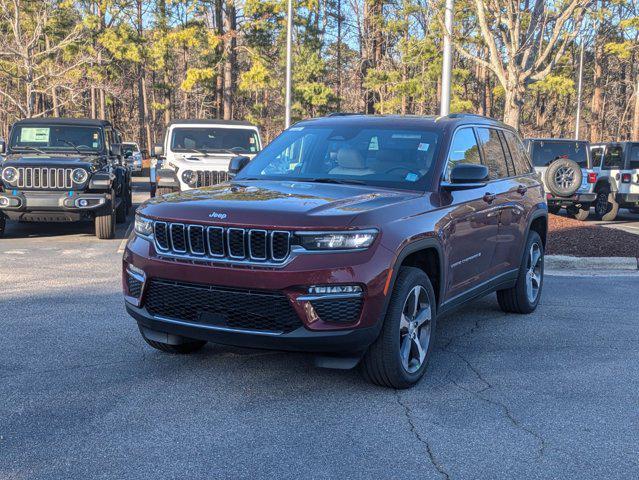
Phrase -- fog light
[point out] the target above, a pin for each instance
(83, 202)
(334, 289)
(4, 202)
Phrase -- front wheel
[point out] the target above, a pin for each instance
(606, 206)
(105, 222)
(524, 296)
(578, 213)
(399, 356)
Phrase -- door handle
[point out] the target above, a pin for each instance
(489, 197)
(522, 189)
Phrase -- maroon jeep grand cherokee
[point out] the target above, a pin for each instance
(347, 236)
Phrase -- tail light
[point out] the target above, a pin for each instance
(626, 178)
(592, 177)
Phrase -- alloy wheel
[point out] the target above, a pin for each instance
(415, 329)
(534, 272)
(564, 177)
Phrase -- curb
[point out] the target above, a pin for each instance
(558, 264)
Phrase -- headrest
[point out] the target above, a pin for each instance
(350, 158)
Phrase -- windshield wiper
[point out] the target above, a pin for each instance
(29, 147)
(333, 180)
(71, 144)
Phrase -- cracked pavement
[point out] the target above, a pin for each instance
(549, 395)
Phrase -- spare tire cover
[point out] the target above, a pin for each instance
(563, 177)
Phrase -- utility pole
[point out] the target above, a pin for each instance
(289, 41)
(581, 74)
(444, 105)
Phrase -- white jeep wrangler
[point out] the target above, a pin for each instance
(196, 153)
(565, 169)
(617, 166)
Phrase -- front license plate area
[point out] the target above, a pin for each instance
(210, 318)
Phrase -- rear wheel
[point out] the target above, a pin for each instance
(554, 209)
(121, 211)
(190, 346)
(399, 356)
(524, 296)
(578, 213)
(606, 206)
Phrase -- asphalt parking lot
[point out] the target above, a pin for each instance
(550, 395)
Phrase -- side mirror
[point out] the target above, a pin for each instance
(236, 164)
(116, 149)
(466, 176)
(158, 151)
(3, 147)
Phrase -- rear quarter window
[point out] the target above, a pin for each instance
(493, 153)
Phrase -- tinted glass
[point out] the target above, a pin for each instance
(597, 155)
(613, 158)
(518, 153)
(56, 138)
(493, 151)
(544, 152)
(463, 149)
(394, 158)
(634, 157)
(214, 140)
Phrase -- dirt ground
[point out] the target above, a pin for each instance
(567, 236)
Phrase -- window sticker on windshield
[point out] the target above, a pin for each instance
(95, 144)
(34, 135)
(423, 147)
(412, 177)
(374, 144)
(407, 136)
(95, 135)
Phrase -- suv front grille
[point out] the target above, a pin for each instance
(45, 178)
(207, 178)
(233, 244)
(345, 310)
(220, 306)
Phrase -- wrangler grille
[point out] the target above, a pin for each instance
(220, 306)
(235, 244)
(208, 178)
(45, 178)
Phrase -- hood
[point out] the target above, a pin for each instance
(196, 159)
(275, 204)
(53, 160)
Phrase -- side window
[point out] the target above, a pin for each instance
(613, 158)
(597, 155)
(518, 152)
(463, 149)
(493, 151)
(633, 160)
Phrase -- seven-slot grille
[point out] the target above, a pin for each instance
(222, 242)
(45, 178)
(207, 178)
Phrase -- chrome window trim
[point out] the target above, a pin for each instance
(202, 229)
(228, 242)
(251, 256)
(208, 243)
(172, 246)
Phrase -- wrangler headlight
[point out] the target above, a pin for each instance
(143, 226)
(79, 176)
(353, 240)
(10, 175)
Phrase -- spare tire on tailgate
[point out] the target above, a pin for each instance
(563, 177)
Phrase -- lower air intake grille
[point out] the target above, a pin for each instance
(134, 286)
(226, 307)
(338, 311)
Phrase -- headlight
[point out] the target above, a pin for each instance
(189, 177)
(357, 239)
(79, 175)
(143, 226)
(10, 174)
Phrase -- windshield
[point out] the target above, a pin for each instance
(47, 138)
(383, 157)
(133, 147)
(215, 140)
(545, 152)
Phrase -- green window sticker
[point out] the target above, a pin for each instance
(34, 135)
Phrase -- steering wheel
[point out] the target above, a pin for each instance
(408, 170)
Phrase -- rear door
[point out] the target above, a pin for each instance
(632, 170)
(471, 226)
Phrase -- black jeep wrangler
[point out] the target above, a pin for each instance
(65, 170)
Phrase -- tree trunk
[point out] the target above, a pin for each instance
(230, 58)
(597, 96)
(634, 135)
(219, 79)
(514, 102)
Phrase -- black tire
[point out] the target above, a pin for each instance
(516, 299)
(3, 224)
(578, 213)
(554, 209)
(105, 222)
(159, 191)
(181, 349)
(563, 177)
(120, 212)
(382, 363)
(606, 206)
(634, 210)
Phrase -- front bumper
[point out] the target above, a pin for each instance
(28, 201)
(314, 334)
